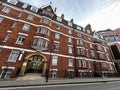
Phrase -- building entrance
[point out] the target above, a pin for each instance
(35, 64)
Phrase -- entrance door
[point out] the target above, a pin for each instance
(35, 64)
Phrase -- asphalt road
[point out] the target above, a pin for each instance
(92, 86)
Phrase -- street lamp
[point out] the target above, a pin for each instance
(48, 69)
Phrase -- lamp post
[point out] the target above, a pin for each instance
(48, 69)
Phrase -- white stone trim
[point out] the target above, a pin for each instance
(54, 70)
(23, 34)
(61, 55)
(9, 31)
(100, 52)
(81, 47)
(56, 42)
(29, 12)
(70, 70)
(3, 67)
(82, 70)
(41, 37)
(70, 45)
(42, 26)
(113, 43)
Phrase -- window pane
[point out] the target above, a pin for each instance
(70, 62)
(6, 9)
(7, 37)
(1, 19)
(30, 17)
(54, 60)
(56, 46)
(57, 35)
(14, 55)
(26, 27)
(69, 49)
(20, 39)
(14, 2)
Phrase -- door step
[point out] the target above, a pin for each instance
(31, 76)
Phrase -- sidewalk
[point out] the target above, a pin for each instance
(17, 83)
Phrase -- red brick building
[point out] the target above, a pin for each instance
(113, 39)
(33, 40)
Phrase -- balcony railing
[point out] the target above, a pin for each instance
(42, 35)
(39, 48)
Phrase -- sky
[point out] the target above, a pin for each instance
(101, 14)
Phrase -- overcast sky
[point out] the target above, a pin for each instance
(101, 14)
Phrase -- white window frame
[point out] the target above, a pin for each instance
(46, 21)
(88, 31)
(78, 27)
(59, 19)
(56, 46)
(104, 65)
(1, 19)
(80, 64)
(14, 25)
(26, 27)
(69, 39)
(54, 60)
(84, 64)
(81, 42)
(57, 36)
(13, 56)
(91, 46)
(41, 42)
(25, 5)
(70, 31)
(7, 37)
(92, 53)
(30, 17)
(6, 9)
(70, 62)
(43, 30)
(21, 39)
(69, 49)
(69, 23)
(7, 73)
(14, 2)
(34, 9)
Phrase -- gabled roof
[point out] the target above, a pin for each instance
(48, 5)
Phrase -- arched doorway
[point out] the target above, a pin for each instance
(34, 63)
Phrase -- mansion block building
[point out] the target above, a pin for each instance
(36, 40)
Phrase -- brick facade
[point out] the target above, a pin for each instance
(66, 49)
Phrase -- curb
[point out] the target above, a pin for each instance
(45, 84)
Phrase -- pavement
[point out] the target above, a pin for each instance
(57, 81)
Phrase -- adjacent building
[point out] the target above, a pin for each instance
(113, 39)
(36, 40)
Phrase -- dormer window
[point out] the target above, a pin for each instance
(59, 19)
(49, 9)
(88, 31)
(70, 24)
(34, 9)
(78, 27)
(84, 30)
(25, 5)
(14, 2)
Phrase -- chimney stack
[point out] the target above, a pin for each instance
(62, 16)
(71, 20)
(55, 9)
